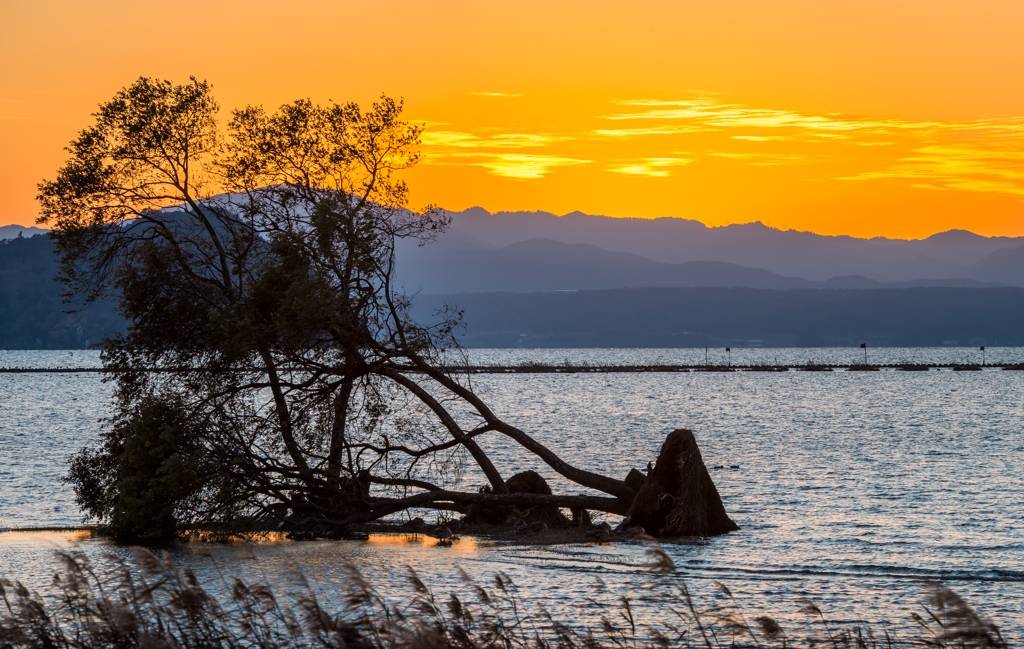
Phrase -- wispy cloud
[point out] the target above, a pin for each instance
(957, 167)
(654, 130)
(449, 138)
(496, 94)
(656, 167)
(979, 155)
(707, 111)
(769, 159)
(500, 140)
(654, 138)
(524, 166)
(496, 150)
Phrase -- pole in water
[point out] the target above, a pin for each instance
(705, 357)
(728, 350)
(864, 346)
(982, 354)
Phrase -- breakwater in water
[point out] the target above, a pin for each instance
(572, 369)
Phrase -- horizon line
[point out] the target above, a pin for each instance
(674, 218)
(727, 225)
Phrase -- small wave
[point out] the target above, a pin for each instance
(865, 571)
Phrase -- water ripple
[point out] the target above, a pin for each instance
(852, 487)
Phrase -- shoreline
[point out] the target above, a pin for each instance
(491, 534)
(597, 369)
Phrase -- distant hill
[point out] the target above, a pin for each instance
(695, 317)
(543, 291)
(463, 264)
(31, 313)
(954, 254)
(1006, 265)
(952, 258)
(12, 231)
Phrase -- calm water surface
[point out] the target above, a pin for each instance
(852, 487)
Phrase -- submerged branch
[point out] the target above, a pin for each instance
(385, 508)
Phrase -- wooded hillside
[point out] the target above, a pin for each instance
(31, 313)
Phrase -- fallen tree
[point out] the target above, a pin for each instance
(257, 271)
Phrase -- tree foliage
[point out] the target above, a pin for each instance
(150, 469)
(256, 268)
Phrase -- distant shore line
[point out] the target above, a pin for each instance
(538, 368)
(48, 528)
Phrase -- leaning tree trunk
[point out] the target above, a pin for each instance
(677, 499)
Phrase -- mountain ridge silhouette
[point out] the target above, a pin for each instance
(790, 253)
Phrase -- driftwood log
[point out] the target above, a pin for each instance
(678, 498)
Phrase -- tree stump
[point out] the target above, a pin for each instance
(679, 498)
(526, 482)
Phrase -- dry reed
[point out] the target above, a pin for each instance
(159, 605)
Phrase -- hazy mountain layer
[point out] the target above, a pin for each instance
(488, 252)
(13, 231)
(952, 254)
(458, 263)
(31, 312)
(695, 317)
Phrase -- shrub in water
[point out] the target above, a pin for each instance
(146, 471)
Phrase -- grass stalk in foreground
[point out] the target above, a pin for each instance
(159, 605)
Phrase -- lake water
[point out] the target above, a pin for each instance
(852, 487)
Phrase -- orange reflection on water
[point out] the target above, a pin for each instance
(45, 536)
(462, 544)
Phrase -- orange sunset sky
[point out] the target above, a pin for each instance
(868, 118)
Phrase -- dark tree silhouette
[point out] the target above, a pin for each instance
(255, 267)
